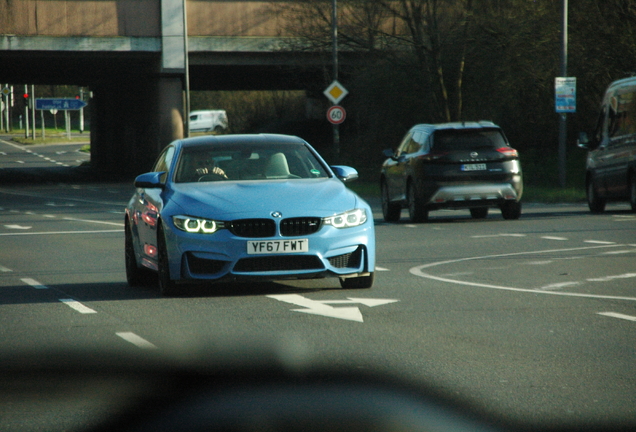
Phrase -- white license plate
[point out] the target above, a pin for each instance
(277, 246)
(474, 167)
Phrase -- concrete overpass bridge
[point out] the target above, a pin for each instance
(132, 56)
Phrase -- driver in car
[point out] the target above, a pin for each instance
(214, 169)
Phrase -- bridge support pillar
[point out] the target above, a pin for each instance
(133, 120)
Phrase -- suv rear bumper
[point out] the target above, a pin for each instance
(473, 195)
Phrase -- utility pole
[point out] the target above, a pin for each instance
(186, 77)
(563, 123)
(334, 55)
(26, 111)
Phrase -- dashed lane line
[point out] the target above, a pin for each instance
(136, 340)
(618, 315)
(61, 232)
(79, 307)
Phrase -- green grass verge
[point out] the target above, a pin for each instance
(51, 136)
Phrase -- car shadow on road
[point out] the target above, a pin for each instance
(120, 291)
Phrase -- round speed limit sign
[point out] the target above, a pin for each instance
(336, 114)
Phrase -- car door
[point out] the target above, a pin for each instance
(395, 170)
(148, 204)
(615, 157)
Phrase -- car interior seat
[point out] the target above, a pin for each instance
(277, 167)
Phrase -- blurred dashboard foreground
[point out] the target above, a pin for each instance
(233, 389)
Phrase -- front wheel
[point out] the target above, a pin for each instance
(594, 201)
(632, 191)
(135, 276)
(391, 211)
(167, 286)
(417, 212)
(358, 282)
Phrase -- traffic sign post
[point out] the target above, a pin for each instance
(336, 114)
(59, 104)
(335, 92)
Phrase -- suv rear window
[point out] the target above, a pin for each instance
(468, 139)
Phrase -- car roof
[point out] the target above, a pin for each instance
(246, 139)
(456, 126)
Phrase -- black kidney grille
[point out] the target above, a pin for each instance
(299, 226)
(279, 263)
(253, 227)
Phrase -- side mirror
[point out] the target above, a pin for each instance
(389, 154)
(345, 173)
(583, 140)
(149, 180)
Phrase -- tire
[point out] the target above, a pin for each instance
(417, 212)
(479, 212)
(594, 201)
(390, 211)
(167, 287)
(511, 210)
(358, 282)
(632, 191)
(135, 275)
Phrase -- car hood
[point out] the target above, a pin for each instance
(256, 199)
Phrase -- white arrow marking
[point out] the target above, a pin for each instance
(317, 307)
(18, 227)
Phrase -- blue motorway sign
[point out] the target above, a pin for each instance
(59, 104)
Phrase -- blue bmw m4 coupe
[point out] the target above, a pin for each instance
(247, 207)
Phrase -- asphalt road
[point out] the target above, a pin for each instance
(533, 319)
(13, 155)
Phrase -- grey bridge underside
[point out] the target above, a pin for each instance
(137, 108)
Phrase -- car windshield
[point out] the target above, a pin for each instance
(247, 162)
(467, 139)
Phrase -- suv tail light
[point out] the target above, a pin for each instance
(508, 151)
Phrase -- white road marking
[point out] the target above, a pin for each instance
(79, 307)
(619, 252)
(610, 278)
(419, 271)
(554, 238)
(35, 284)
(93, 221)
(618, 315)
(381, 269)
(5, 269)
(62, 232)
(598, 242)
(321, 307)
(136, 340)
(558, 286)
(17, 227)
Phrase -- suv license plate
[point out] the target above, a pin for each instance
(474, 167)
(277, 246)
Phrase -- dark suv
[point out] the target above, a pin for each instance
(467, 165)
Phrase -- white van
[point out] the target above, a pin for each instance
(611, 161)
(208, 121)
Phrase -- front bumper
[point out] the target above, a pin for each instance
(224, 257)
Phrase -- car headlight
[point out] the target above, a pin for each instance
(351, 218)
(197, 225)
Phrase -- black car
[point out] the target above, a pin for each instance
(467, 165)
(610, 173)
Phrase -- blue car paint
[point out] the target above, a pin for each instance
(246, 199)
